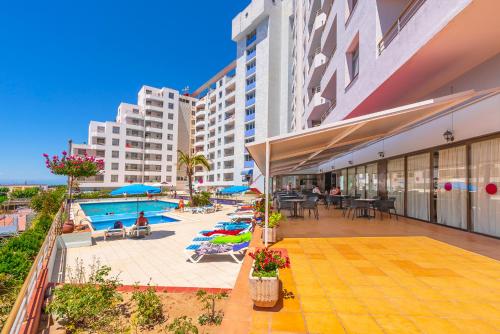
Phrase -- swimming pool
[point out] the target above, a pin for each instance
(105, 214)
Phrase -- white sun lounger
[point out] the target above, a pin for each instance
(236, 249)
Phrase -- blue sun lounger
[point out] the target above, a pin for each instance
(195, 254)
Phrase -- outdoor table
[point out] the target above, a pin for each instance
(295, 202)
(367, 200)
(341, 200)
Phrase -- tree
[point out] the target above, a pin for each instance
(190, 162)
(74, 167)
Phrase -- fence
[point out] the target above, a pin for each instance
(25, 314)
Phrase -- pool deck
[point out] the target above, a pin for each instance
(159, 258)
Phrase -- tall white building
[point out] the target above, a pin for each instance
(141, 144)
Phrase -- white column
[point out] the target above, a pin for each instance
(266, 191)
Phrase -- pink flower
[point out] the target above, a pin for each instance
(64, 153)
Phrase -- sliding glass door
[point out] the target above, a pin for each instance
(371, 181)
(419, 186)
(451, 203)
(484, 184)
(360, 181)
(396, 183)
(351, 181)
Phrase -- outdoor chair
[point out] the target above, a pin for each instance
(137, 231)
(283, 205)
(336, 201)
(387, 206)
(309, 205)
(329, 201)
(111, 231)
(346, 207)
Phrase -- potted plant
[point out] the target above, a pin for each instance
(264, 276)
(274, 221)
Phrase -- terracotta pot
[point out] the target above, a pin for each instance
(68, 228)
(271, 234)
(264, 291)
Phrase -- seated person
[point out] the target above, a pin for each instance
(140, 222)
(316, 190)
(335, 191)
(117, 225)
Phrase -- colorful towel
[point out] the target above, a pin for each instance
(226, 232)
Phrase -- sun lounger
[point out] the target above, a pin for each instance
(110, 232)
(195, 252)
(140, 230)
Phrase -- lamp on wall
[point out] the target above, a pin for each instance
(449, 135)
(381, 154)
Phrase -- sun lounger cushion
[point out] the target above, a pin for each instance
(210, 248)
(233, 239)
(226, 232)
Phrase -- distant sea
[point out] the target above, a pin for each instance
(50, 182)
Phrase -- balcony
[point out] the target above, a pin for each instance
(316, 70)
(250, 86)
(248, 164)
(251, 71)
(200, 123)
(249, 117)
(251, 40)
(314, 40)
(317, 106)
(329, 36)
(251, 55)
(250, 102)
(250, 133)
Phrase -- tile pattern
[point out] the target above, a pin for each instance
(384, 285)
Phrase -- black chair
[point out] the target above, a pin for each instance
(387, 206)
(361, 207)
(309, 205)
(329, 201)
(283, 205)
(346, 207)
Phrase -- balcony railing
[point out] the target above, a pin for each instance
(329, 110)
(250, 132)
(250, 102)
(248, 164)
(251, 40)
(250, 117)
(399, 24)
(250, 86)
(251, 71)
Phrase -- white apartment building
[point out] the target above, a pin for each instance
(360, 57)
(141, 144)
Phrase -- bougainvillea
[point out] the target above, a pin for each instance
(73, 165)
(267, 262)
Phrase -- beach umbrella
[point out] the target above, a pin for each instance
(136, 189)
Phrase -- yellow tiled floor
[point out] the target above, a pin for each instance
(384, 285)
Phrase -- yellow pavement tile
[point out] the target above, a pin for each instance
(380, 306)
(261, 321)
(359, 324)
(436, 326)
(396, 324)
(315, 304)
(323, 323)
(412, 307)
(348, 305)
(473, 326)
(287, 321)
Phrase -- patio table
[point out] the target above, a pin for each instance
(366, 213)
(341, 200)
(295, 202)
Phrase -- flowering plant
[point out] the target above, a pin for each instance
(74, 166)
(267, 262)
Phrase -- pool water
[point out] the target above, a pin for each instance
(104, 215)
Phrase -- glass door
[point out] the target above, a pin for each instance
(360, 181)
(396, 183)
(351, 181)
(419, 185)
(372, 179)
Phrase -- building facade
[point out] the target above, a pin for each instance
(141, 144)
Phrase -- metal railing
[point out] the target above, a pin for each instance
(24, 312)
(399, 24)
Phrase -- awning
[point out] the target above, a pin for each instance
(247, 172)
(311, 147)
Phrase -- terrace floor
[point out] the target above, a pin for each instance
(376, 276)
(158, 258)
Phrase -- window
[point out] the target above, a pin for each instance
(115, 142)
(115, 165)
(100, 129)
(115, 154)
(169, 147)
(170, 126)
(169, 157)
(247, 157)
(251, 80)
(169, 168)
(170, 106)
(249, 140)
(170, 116)
(220, 94)
(250, 95)
(250, 111)
(352, 59)
(170, 136)
(250, 126)
(116, 129)
(114, 178)
(168, 178)
(170, 95)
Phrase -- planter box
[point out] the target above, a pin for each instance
(265, 291)
(78, 239)
(271, 234)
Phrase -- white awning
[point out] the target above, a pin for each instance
(309, 148)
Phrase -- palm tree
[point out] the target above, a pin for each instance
(191, 162)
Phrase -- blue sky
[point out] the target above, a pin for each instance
(64, 63)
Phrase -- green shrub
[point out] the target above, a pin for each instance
(201, 199)
(90, 305)
(8, 295)
(182, 325)
(4, 190)
(24, 193)
(48, 202)
(149, 312)
(210, 316)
